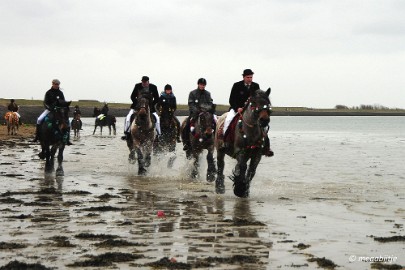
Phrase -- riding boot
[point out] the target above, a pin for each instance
(186, 137)
(36, 133)
(126, 136)
(66, 137)
(178, 127)
(266, 149)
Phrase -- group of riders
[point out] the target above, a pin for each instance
(198, 98)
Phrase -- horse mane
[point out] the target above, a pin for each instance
(262, 94)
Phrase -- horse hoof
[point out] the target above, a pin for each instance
(210, 177)
(141, 171)
(240, 191)
(220, 189)
(41, 155)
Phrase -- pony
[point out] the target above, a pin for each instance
(142, 135)
(52, 136)
(108, 120)
(167, 141)
(247, 143)
(12, 121)
(202, 138)
(75, 125)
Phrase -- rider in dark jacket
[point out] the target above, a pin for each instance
(144, 87)
(167, 101)
(52, 98)
(197, 98)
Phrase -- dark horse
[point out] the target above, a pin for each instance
(248, 142)
(103, 121)
(142, 135)
(202, 138)
(52, 131)
(167, 140)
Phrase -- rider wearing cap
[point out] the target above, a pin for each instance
(197, 98)
(240, 93)
(142, 88)
(167, 101)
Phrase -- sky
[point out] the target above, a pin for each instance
(312, 53)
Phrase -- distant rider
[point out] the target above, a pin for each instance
(13, 107)
(76, 115)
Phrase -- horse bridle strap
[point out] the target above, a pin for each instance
(259, 143)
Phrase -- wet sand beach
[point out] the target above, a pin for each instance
(304, 210)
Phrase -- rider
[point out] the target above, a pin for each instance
(13, 107)
(105, 109)
(240, 93)
(167, 101)
(76, 115)
(143, 88)
(197, 98)
(52, 97)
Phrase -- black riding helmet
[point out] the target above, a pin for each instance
(202, 81)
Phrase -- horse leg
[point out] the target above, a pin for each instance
(48, 159)
(172, 158)
(148, 156)
(109, 128)
(59, 170)
(141, 162)
(95, 127)
(219, 182)
(240, 185)
(211, 166)
(194, 171)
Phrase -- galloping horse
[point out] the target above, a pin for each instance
(75, 125)
(167, 140)
(12, 122)
(51, 136)
(202, 138)
(108, 120)
(248, 142)
(142, 135)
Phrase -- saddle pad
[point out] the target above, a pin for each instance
(230, 132)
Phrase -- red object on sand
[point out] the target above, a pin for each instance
(160, 213)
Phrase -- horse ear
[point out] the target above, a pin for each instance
(268, 91)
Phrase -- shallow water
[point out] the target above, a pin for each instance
(334, 184)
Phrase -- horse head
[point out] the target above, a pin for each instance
(142, 108)
(61, 114)
(259, 107)
(205, 124)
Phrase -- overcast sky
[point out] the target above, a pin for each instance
(312, 53)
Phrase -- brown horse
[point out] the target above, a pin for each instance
(142, 136)
(12, 120)
(52, 132)
(202, 138)
(247, 143)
